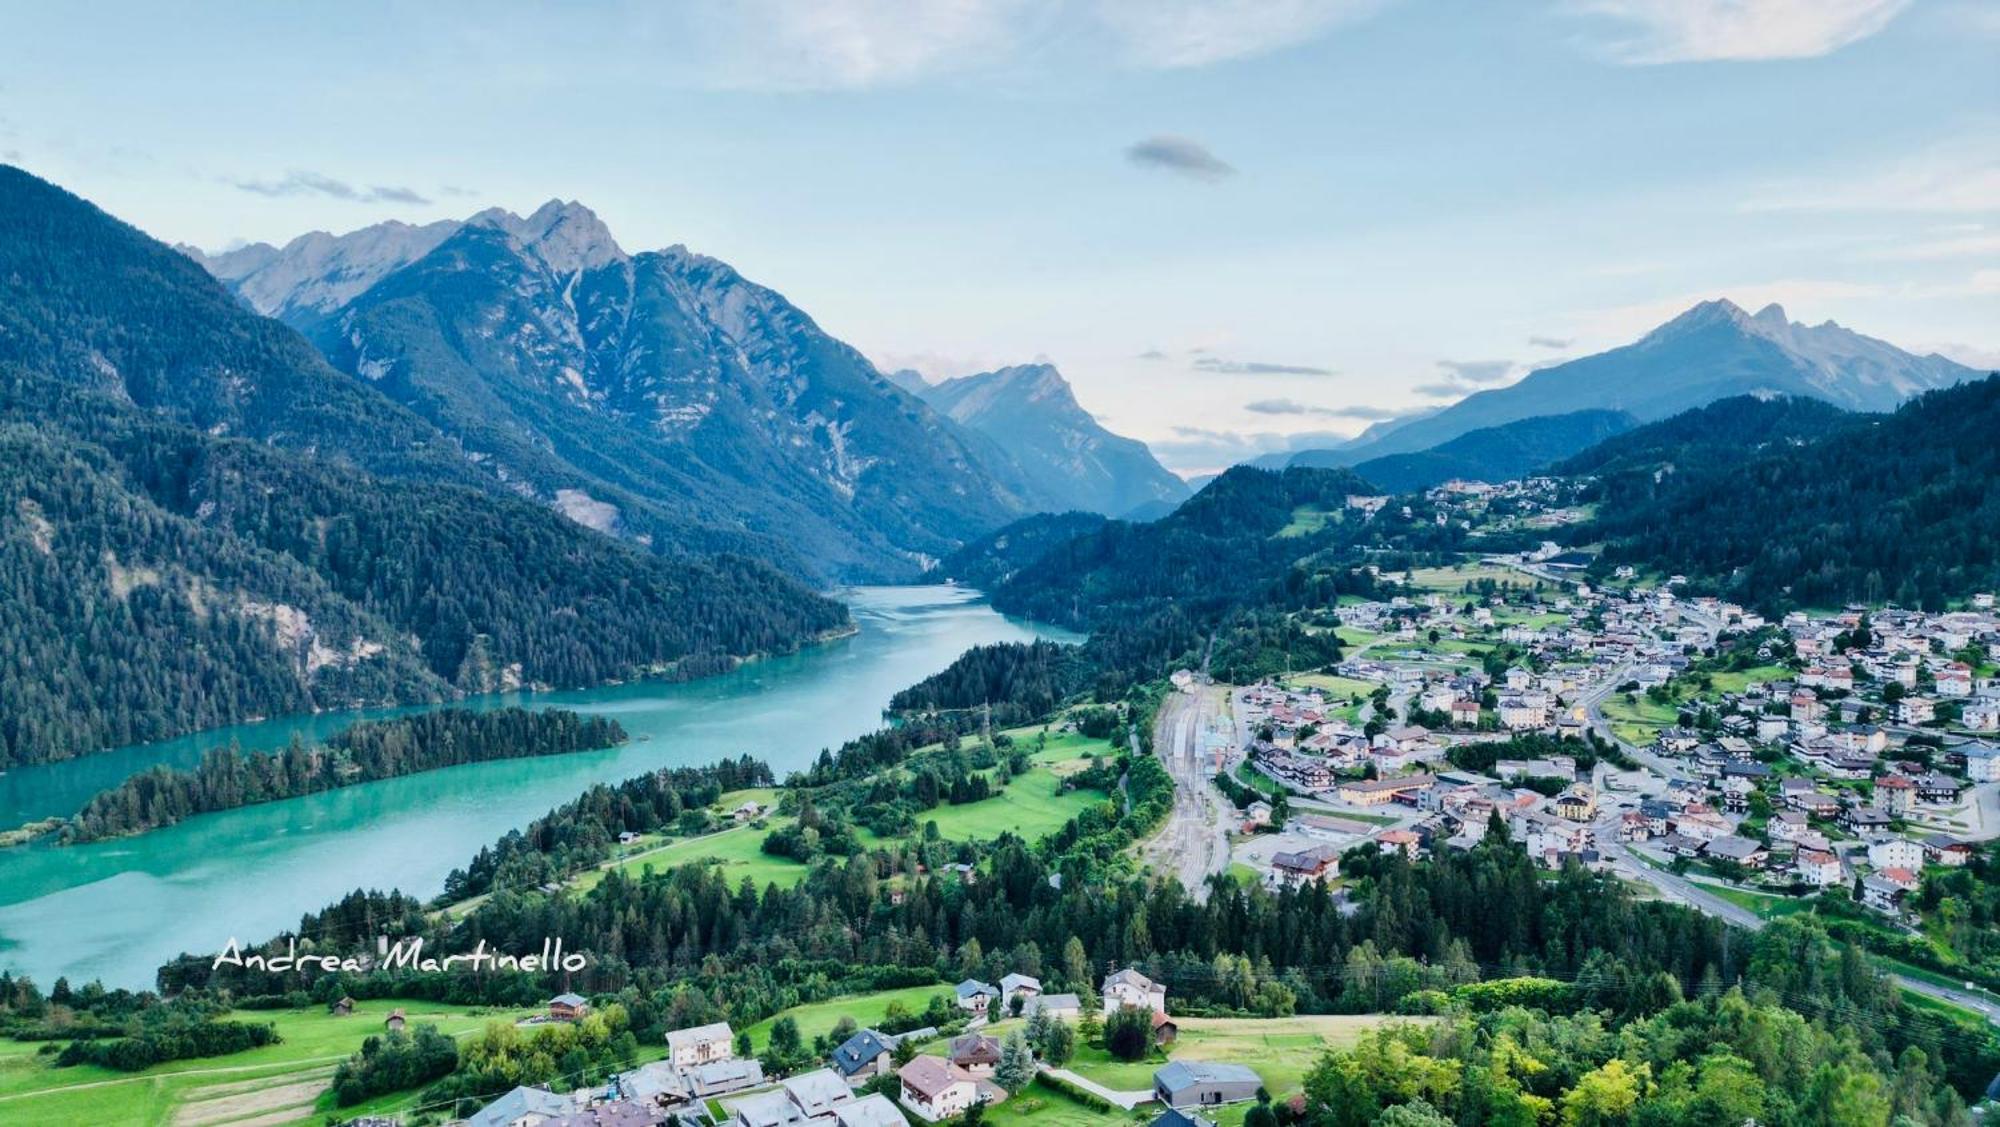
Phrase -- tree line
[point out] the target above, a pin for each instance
(227, 778)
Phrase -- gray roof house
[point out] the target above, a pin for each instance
(972, 993)
(724, 1076)
(522, 1105)
(1197, 1083)
(863, 1055)
(870, 1111)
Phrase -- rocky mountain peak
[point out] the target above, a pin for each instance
(566, 235)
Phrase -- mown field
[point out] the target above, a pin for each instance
(276, 1084)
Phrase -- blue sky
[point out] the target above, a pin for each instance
(1235, 226)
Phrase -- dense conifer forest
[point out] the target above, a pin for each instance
(383, 749)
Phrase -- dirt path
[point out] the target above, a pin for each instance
(284, 1101)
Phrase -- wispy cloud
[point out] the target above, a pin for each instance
(301, 183)
(1220, 366)
(1953, 246)
(1551, 342)
(1478, 371)
(1960, 177)
(1294, 407)
(1181, 156)
(1682, 31)
(866, 44)
(1190, 33)
(1152, 354)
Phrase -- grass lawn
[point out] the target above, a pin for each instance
(1638, 721)
(739, 850)
(1305, 521)
(815, 1018)
(1452, 580)
(1281, 1049)
(1043, 1106)
(1033, 805)
(284, 1082)
(1737, 681)
(1352, 636)
(1766, 907)
(1337, 687)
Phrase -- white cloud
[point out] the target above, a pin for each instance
(1962, 177)
(855, 44)
(1681, 31)
(796, 45)
(1191, 33)
(1957, 246)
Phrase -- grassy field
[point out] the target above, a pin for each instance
(1352, 636)
(1639, 720)
(275, 1084)
(815, 1018)
(1451, 580)
(1735, 682)
(739, 850)
(1281, 1050)
(1043, 1106)
(1305, 521)
(1767, 907)
(1340, 688)
(1033, 805)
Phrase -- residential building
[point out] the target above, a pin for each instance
(1128, 988)
(701, 1044)
(1204, 1084)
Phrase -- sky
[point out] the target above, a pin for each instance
(1235, 226)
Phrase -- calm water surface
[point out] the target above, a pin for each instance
(116, 910)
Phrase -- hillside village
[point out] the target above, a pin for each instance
(997, 1039)
(1629, 728)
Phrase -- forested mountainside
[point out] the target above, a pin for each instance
(641, 393)
(1899, 508)
(1737, 428)
(156, 580)
(206, 523)
(94, 303)
(1501, 453)
(1068, 460)
(992, 559)
(1208, 585)
(1242, 531)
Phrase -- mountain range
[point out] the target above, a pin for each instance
(201, 521)
(1710, 352)
(1031, 412)
(1501, 453)
(663, 397)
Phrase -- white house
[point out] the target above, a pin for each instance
(1819, 868)
(702, 1044)
(1130, 988)
(1896, 853)
(935, 1088)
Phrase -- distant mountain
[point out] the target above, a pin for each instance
(1501, 453)
(1815, 510)
(201, 522)
(1713, 351)
(1066, 458)
(639, 393)
(909, 379)
(994, 558)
